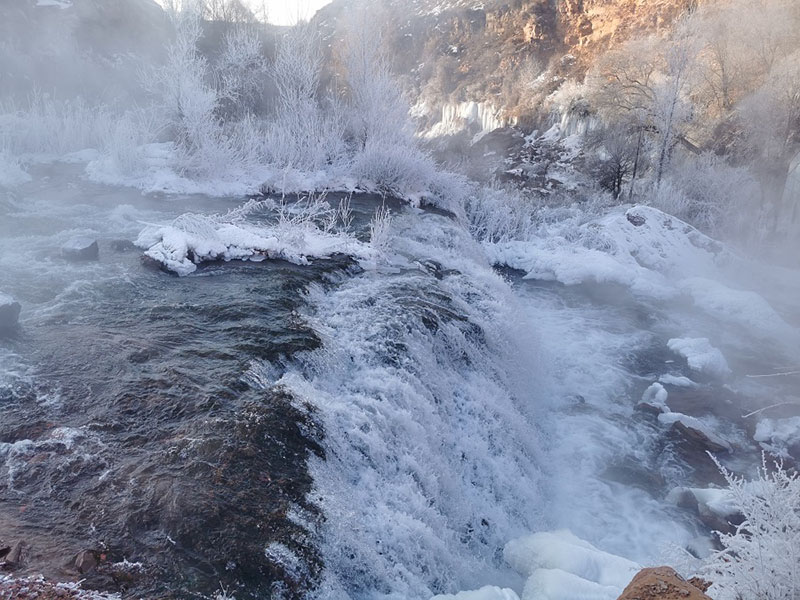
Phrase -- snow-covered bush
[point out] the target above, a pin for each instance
(394, 168)
(123, 146)
(497, 215)
(711, 195)
(761, 560)
(50, 126)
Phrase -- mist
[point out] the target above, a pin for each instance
(398, 299)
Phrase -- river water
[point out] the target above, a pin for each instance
(280, 430)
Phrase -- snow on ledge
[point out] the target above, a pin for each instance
(194, 239)
(639, 247)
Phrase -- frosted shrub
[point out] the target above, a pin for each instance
(124, 143)
(397, 169)
(670, 198)
(48, 126)
(761, 560)
(379, 228)
(499, 215)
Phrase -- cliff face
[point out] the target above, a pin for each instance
(453, 51)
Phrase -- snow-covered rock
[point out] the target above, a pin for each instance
(677, 381)
(488, 592)
(778, 435)
(561, 566)
(81, 248)
(656, 396)
(744, 308)
(696, 430)
(711, 501)
(701, 356)
(9, 312)
(193, 239)
(641, 248)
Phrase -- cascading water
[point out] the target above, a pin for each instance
(429, 390)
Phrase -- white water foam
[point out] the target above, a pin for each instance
(428, 394)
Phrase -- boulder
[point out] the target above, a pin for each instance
(12, 556)
(85, 561)
(80, 248)
(661, 583)
(9, 312)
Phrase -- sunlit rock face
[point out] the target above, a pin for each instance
(459, 51)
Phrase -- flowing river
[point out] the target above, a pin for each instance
(282, 430)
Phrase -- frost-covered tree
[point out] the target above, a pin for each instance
(190, 103)
(303, 136)
(761, 559)
(240, 72)
(381, 131)
(379, 111)
(619, 150)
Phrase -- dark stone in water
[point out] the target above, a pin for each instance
(123, 246)
(9, 312)
(80, 249)
(636, 220)
(698, 438)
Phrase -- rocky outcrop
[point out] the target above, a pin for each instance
(467, 51)
(663, 583)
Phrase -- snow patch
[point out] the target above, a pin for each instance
(777, 435)
(488, 592)
(701, 356)
(561, 566)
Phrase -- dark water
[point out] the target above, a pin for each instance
(142, 422)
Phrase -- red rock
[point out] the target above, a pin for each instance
(662, 583)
